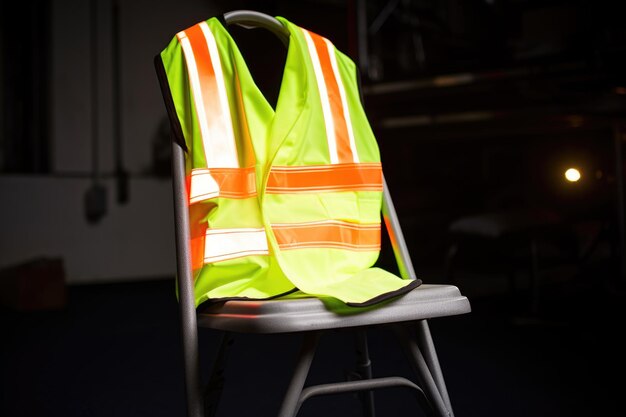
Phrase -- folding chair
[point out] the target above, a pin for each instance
(406, 315)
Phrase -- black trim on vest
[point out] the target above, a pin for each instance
(388, 295)
(212, 301)
(177, 130)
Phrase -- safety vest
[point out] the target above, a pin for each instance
(279, 200)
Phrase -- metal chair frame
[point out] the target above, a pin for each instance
(408, 318)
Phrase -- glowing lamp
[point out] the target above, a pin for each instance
(572, 175)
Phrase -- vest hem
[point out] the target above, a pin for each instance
(211, 301)
(388, 295)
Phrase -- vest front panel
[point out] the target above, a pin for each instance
(285, 199)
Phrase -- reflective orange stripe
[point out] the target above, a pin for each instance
(344, 152)
(341, 144)
(328, 234)
(205, 184)
(392, 235)
(212, 109)
(216, 245)
(316, 178)
(198, 234)
(347, 119)
(221, 182)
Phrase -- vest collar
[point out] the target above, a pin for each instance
(262, 119)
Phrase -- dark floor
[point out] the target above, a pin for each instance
(115, 351)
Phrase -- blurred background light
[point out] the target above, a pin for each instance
(572, 175)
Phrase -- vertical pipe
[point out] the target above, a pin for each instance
(95, 197)
(189, 329)
(424, 375)
(619, 179)
(427, 346)
(213, 389)
(121, 176)
(353, 38)
(361, 22)
(364, 369)
(4, 145)
(38, 92)
(93, 55)
(291, 401)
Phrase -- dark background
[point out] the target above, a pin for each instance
(478, 106)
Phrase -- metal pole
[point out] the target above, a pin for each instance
(189, 329)
(95, 127)
(361, 24)
(95, 197)
(426, 344)
(291, 401)
(422, 370)
(619, 179)
(120, 173)
(213, 389)
(364, 369)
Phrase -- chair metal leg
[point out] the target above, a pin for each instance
(191, 358)
(291, 403)
(422, 370)
(427, 346)
(215, 385)
(368, 385)
(364, 370)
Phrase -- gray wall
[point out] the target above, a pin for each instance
(44, 215)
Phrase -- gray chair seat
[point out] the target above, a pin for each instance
(308, 314)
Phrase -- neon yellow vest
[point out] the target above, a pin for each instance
(282, 200)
